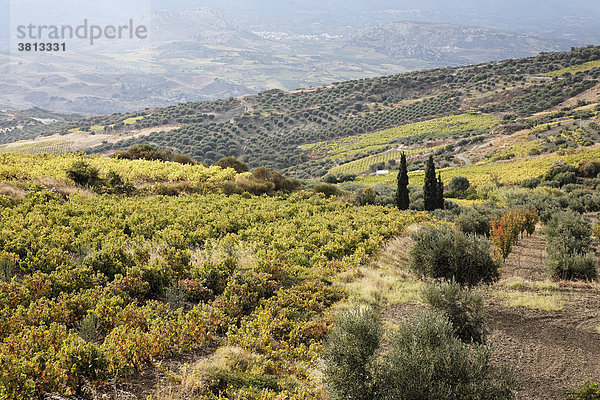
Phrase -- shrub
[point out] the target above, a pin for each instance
(484, 191)
(552, 184)
(327, 189)
(569, 231)
(463, 307)
(530, 183)
(565, 178)
(572, 267)
(83, 174)
(255, 186)
(183, 159)
(569, 247)
(577, 205)
(386, 195)
(232, 162)
(589, 391)
(115, 184)
(473, 222)
(426, 361)
(329, 178)
(144, 152)
(558, 169)
(164, 189)
(443, 253)
(289, 185)
(230, 188)
(589, 168)
(459, 184)
(350, 355)
(366, 196)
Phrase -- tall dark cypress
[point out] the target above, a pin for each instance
(440, 192)
(402, 200)
(430, 187)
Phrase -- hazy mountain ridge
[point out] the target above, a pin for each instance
(201, 54)
(455, 44)
(201, 24)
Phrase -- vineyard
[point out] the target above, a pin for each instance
(49, 147)
(138, 270)
(20, 167)
(504, 173)
(362, 165)
(451, 126)
(100, 288)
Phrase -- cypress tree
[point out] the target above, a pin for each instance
(402, 200)
(430, 187)
(440, 192)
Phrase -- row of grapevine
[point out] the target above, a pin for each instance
(24, 167)
(346, 147)
(575, 69)
(505, 172)
(96, 288)
(362, 165)
(49, 147)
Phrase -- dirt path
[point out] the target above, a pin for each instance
(464, 159)
(526, 259)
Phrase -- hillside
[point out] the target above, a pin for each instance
(454, 44)
(528, 93)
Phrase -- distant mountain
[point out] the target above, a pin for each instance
(451, 44)
(201, 54)
(204, 25)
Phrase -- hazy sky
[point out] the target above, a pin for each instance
(515, 15)
(531, 16)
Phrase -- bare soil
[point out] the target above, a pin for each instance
(552, 353)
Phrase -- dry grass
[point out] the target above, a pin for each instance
(395, 253)
(192, 379)
(534, 295)
(518, 283)
(544, 301)
(217, 251)
(387, 280)
(383, 286)
(63, 188)
(11, 191)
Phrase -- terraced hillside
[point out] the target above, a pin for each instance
(281, 129)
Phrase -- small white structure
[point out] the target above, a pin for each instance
(382, 172)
